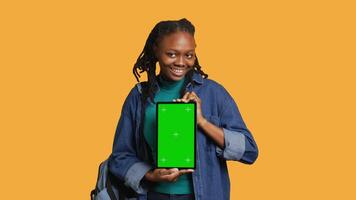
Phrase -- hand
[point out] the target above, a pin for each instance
(166, 175)
(191, 96)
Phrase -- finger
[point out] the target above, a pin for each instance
(197, 99)
(161, 172)
(172, 176)
(194, 94)
(186, 171)
(186, 95)
(164, 172)
(192, 98)
(183, 100)
(173, 170)
(191, 95)
(168, 172)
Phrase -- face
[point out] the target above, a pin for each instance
(176, 55)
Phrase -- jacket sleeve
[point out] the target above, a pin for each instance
(123, 162)
(239, 142)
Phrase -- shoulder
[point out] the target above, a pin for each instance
(133, 98)
(218, 92)
(214, 86)
(136, 90)
(211, 82)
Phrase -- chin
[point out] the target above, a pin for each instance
(175, 78)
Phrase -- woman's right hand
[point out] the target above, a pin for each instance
(166, 175)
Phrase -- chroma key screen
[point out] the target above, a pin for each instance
(176, 128)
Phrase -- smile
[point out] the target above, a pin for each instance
(177, 71)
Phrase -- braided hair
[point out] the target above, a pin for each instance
(146, 61)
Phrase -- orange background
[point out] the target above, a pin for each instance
(66, 68)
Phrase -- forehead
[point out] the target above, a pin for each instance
(178, 41)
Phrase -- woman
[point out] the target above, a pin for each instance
(221, 134)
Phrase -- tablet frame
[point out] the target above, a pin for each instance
(195, 135)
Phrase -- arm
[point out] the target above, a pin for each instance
(123, 161)
(212, 131)
(234, 141)
(239, 142)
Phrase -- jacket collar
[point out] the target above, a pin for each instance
(197, 77)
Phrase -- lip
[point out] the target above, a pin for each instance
(178, 74)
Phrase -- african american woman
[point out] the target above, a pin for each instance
(221, 132)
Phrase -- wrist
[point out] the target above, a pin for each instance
(149, 176)
(201, 122)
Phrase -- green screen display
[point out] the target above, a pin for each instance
(176, 134)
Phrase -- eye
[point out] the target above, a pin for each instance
(190, 56)
(172, 55)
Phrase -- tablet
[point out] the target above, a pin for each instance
(176, 130)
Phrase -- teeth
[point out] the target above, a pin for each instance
(177, 70)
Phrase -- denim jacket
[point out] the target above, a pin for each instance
(210, 178)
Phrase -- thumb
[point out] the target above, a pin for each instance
(186, 171)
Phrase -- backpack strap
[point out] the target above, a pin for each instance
(95, 191)
(109, 187)
(92, 194)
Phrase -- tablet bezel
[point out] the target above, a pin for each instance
(195, 135)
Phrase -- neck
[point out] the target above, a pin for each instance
(166, 83)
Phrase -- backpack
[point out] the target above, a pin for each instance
(108, 187)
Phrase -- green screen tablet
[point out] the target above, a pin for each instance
(176, 128)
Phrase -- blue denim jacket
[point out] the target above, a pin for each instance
(210, 178)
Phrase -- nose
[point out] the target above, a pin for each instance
(179, 61)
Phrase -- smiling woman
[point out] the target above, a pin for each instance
(176, 55)
(221, 132)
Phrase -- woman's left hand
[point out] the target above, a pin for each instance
(191, 96)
